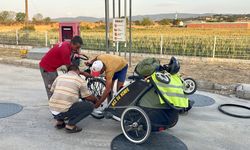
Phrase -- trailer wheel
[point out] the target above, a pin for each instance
(135, 125)
(190, 86)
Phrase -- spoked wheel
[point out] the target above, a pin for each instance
(97, 86)
(190, 86)
(135, 125)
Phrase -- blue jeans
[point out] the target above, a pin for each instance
(121, 75)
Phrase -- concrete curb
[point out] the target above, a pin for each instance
(207, 85)
(16, 46)
(20, 62)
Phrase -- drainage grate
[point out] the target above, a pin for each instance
(156, 141)
(9, 109)
(201, 100)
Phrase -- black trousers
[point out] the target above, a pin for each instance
(76, 113)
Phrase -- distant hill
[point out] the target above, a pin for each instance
(80, 18)
(154, 17)
(157, 17)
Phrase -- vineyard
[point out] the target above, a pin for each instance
(222, 43)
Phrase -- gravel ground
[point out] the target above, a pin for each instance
(222, 71)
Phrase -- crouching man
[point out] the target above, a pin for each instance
(64, 103)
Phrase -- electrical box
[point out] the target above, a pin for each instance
(68, 30)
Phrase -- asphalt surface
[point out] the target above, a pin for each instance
(32, 128)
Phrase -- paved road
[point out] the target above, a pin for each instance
(203, 128)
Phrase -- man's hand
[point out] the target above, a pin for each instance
(87, 63)
(105, 93)
(90, 62)
(92, 99)
(76, 55)
(98, 104)
(86, 74)
(63, 68)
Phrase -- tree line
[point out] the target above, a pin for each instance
(11, 17)
(149, 22)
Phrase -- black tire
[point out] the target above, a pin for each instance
(192, 86)
(175, 122)
(220, 108)
(136, 125)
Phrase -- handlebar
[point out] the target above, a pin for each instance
(82, 57)
(164, 67)
(76, 58)
(134, 77)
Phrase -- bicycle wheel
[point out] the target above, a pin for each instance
(97, 86)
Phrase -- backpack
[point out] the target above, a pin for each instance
(147, 67)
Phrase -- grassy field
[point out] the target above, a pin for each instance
(230, 43)
(222, 43)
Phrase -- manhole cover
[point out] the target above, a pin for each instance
(156, 141)
(9, 109)
(201, 100)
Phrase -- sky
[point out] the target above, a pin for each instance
(95, 8)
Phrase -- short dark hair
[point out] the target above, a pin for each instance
(73, 68)
(77, 40)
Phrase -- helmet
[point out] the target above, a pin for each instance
(173, 66)
(96, 68)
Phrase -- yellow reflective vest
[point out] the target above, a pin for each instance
(173, 91)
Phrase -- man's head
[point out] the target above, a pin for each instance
(97, 68)
(74, 68)
(76, 44)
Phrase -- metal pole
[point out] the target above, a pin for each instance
(161, 45)
(215, 38)
(113, 9)
(17, 37)
(125, 15)
(119, 14)
(114, 44)
(125, 9)
(26, 11)
(130, 32)
(117, 47)
(119, 8)
(107, 24)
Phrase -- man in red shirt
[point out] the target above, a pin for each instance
(56, 57)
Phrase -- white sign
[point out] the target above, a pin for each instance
(119, 30)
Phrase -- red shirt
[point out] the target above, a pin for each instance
(56, 57)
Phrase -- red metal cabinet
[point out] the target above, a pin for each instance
(67, 30)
